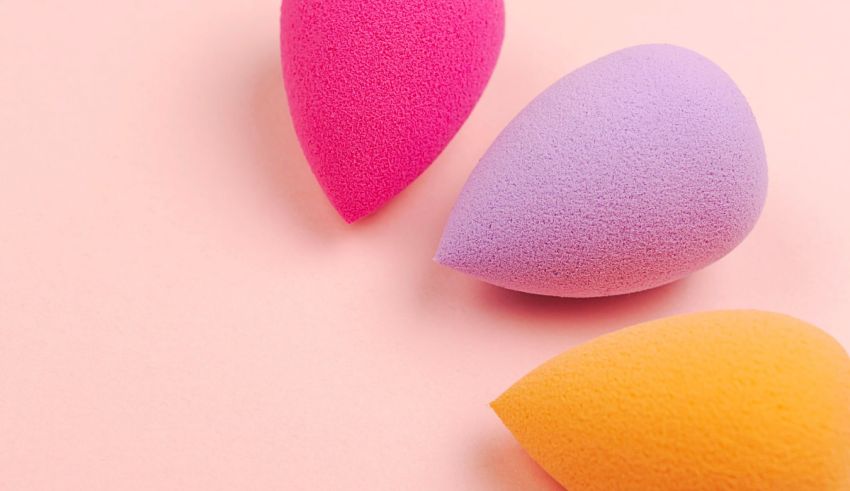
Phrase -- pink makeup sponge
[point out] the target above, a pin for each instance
(377, 88)
(631, 172)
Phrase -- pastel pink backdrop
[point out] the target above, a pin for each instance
(181, 308)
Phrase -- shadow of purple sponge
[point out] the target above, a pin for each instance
(629, 173)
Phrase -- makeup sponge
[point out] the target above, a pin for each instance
(740, 400)
(377, 88)
(629, 173)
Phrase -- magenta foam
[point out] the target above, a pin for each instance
(629, 173)
(377, 88)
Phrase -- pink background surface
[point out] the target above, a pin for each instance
(181, 308)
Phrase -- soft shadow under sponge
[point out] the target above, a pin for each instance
(629, 173)
(377, 88)
(741, 400)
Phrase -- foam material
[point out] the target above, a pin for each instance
(739, 400)
(629, 173)
(377, 88)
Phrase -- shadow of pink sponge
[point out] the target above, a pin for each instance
(377, 88)
(629, 173)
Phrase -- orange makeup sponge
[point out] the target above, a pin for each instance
(738, 400)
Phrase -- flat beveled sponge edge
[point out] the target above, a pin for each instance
(378, 88)
(731, 400)
(629, 173)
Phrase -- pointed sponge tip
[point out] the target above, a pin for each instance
(378, 88)
(443, 257)
(741, 400)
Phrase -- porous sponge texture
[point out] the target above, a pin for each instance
(738, 400)
(377, 88)
(631, 172)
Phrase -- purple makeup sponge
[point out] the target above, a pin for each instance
(629, 173)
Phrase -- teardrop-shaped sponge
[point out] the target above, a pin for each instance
(377, 88)
(631, 172)
(739, 400)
